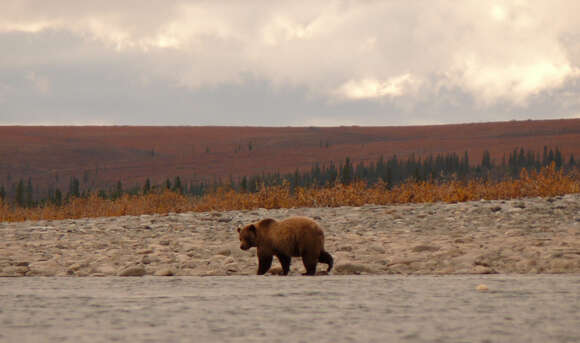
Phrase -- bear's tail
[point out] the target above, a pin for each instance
(325, 257)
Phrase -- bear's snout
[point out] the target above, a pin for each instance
(244, 246)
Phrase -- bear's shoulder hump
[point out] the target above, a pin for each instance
(266, 222)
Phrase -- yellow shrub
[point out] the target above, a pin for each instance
(548, 182)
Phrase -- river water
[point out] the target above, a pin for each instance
(291, 309)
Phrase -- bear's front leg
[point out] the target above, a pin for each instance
(285, 262)
(264, 263)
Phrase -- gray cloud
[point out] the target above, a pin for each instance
(294, 63)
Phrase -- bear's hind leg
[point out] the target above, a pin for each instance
(285, 262)
(264, 264)
(310, 264)
(325, 257)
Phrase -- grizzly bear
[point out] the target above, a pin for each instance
(292, 237)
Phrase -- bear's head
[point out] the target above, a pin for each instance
(247, 237)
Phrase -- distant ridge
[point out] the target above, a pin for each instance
(99, 156)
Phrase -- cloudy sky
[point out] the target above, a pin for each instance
(298, 63)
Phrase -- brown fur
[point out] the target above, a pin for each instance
(292, 237)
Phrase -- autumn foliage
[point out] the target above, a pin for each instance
(548, 182)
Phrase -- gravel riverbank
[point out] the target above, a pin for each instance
(524, 236)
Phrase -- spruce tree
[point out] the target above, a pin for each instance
(177, 187)
(558, 159)
(20, 201)
(74, 188)
(244, 184)
(29, 191)
(118, 189)
(57, 197)
(486, 160)
(347, 172)
(147, 187)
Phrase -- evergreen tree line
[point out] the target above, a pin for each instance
(394, 171)
(391, 172)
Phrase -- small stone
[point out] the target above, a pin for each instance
(425, 247)
(214, 273)
(483, 270)
(188, 265)
(351, 268)
(44, 268)
(106, 269)
(344, 248)
(76, 266)
(224, 252)
(165, 272)
(164, 242)
(378, 248)
(228, 260)
(232, 268)
(133, 271)
(276, 271)
(14, 271)
(482, 288)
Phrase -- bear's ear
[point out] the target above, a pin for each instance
(252, 228)
(239, 229)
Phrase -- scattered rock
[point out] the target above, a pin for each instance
(344, 248)
(509, 236)
(217, 259)
(377, 248)
(224, 252)
(44, 268)
(228, 260)
(482, 288)
(276, 271)
(106, 270)
(425, 247)
(232, 268)
(164, 272)
(351, 268)
(133, 271)
(483, 270)
(14, 271)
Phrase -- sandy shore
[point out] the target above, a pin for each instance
(539, 235)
